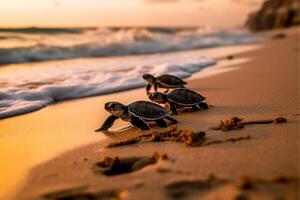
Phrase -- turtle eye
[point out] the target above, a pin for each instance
(113, 105)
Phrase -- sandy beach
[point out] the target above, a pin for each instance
(260, 84)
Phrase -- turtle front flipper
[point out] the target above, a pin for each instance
(141, 124)
(161, 123)
(155, 87)
(148, 87)
(108, 123)
(173, 108)
(203, 105)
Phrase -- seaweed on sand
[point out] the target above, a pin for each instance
(235, 123)
(186, 136)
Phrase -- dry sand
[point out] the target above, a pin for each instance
(265, 87)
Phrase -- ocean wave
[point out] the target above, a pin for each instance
(34, 30)
(32, 89)
(43, 45)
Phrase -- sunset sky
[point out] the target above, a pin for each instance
(74, 13)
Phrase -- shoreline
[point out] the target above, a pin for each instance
(206, 86)
(211, 55)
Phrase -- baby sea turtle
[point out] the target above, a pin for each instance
(179, 98)
(163, 81)
(138, 114)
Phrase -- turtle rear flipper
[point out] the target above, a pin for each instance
(141, 124)
(174, 121)
(173, 109)
(195, 108)
(108, 123)
(161, 123)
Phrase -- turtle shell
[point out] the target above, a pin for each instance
(148, 110)
(170, 81)
(185, 97)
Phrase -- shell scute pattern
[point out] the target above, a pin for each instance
(185, 97)
(148, 110)
(170, 80)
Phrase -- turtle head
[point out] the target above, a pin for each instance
(149, 78)
(158, 97)
(115, 108)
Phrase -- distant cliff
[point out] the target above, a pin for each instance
(275, 14)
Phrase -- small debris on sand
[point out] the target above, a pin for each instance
(85, 159)
(236, 123)
(114, 166)
(229, 124)
(128, 141)
(230, 57)
(172, 133)
(278, 36)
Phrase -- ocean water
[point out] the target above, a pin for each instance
(52, 80)
(33, 44)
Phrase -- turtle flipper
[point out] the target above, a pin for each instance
(155, 87)
(148, 87)
(141, 124)
(195, 108)
(174, 121)
(173, 108)
(203, 105)
(161, 123)
(108, 123)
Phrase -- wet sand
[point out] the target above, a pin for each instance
(264, 87)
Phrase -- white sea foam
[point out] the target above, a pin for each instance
(31, 89)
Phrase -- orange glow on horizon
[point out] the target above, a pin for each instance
(75, 13)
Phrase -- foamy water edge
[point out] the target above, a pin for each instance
(31, 90)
